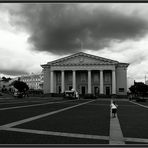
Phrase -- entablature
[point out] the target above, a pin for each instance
(94, 67)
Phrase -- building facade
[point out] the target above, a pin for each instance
(34, 81)
(87, 74)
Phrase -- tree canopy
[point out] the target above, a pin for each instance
(6, 79)
(20, 86)
(139, 88)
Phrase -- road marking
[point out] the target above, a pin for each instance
(116, 136)
(136, 140)
(41, 116)
(74, 135)
(15, 107)
(92, 104)
(139, 104)
(19, 102)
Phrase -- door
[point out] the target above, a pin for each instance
(96, 90)
(70, 87)
(107, 90)
(83, 90)
(59, 89)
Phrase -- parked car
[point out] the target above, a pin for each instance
(70, 94)
(18, 94)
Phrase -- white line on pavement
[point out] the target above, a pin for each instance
(116, 136)
(41, 116)
(74, 135)
(136, 140)
(139, 104)
(34, 105)
(24, 101)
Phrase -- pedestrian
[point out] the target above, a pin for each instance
(114, 109)
(77, 95)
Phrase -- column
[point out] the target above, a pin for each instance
(51, 82)
(63, 82)
(113, 82)
(101, 81)
(89, 81)
(74, 79)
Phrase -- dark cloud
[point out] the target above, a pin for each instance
(13, 72)
(60, 28)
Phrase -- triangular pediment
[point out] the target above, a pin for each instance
(82, 59)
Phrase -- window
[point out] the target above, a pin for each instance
(83, 77)
(121, 89)
(58, 77)
(69, 77)
(96, 78)
(107, 77)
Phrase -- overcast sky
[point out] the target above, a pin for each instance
(34, 34)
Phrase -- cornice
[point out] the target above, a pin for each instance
(75, 64)
(85, 55)
(125, 65)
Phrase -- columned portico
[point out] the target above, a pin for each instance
(89, 81)
(101, 81)
(88, 74)
(51, 82)
(63, 81)
(113, 82)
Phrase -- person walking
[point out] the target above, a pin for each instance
(114, 109)
(77, 95)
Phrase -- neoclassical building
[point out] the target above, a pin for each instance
(88, 74)
(34, 81)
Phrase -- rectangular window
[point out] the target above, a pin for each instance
(121, 89)
(107, 77)
(69, 77)
(96, 78)
(58, 77)
(83, 77)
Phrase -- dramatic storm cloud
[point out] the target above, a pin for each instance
(65, 28)
(34, 34)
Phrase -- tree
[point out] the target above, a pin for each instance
(20, 86)
(6, 79)
(139, 88)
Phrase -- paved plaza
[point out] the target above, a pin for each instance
(85, 121)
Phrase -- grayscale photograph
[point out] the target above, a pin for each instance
(74, 73)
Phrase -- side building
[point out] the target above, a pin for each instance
(87, 74)
(34, 81)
